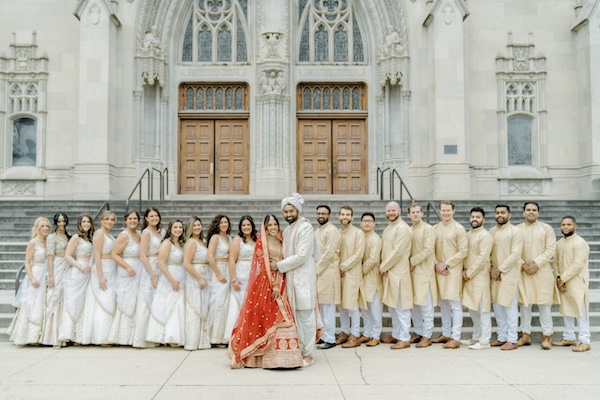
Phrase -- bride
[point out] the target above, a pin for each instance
(265, 334)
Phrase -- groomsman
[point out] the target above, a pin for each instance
(328, 274)
(505, 274)
(572, 277)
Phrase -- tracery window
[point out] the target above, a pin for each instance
(213, 97)
(332, 97)
(216, 32)
(23, 97)
(520, 109)
(329, 32)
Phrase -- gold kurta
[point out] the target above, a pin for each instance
(372, 281)
(539, 246)
(477, 268)
(506, 256)
(328, 266)
(422, 257)
(451, 247)
(571, 264)
(395, 254)
(352, 249)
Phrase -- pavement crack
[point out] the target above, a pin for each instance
(514, 386)
(170, 376)
(360, 366)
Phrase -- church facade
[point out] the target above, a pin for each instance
(487, 99)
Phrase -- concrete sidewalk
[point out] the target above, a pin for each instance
(362, 373)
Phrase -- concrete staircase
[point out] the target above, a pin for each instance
(16, 220)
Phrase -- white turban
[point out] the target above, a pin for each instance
(295, 200)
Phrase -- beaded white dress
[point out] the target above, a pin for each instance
(75, 285)
(126, 289)
(26, 326)
(219, 295)
(99, 308)
(146, 293)
(54, 296)
(167, 315)
(197, 330)
(242, 273)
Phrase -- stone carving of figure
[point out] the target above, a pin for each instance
(265, 84)
(151, 39)
(279, 83)
(393, 43)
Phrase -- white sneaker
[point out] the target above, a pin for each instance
(479, 346)
(468, 342)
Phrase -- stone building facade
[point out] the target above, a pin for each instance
(462, 99)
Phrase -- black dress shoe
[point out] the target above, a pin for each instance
(325, 346)
(320, 341)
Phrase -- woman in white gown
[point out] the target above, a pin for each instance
(218, 259)
(198, 273)
(167, 315)
(100, 299)
(56, 246)
(240, 263)
(126, 253)
(152, 236)
(79, 255)
(26, 326)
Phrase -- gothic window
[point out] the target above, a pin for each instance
(24, 142)
(318, 97)
(216, 32)
(519, 140)
(329, 32)
(23, 97)
(208, 97)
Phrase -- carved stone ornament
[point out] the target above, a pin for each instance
(272, 46)
(393, 57)
(151, 64)
(272, 81)
(18, 188)
(521, 58)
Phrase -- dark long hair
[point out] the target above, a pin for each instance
(253, 234)
(168, 236)
(89, 235)
(145, 223)
(269, 217)
(213, 228)
(66, 218)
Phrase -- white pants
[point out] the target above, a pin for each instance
(482, 324)
(306, 320)
(372, 318)
(583, 323)
(400, 320)
(345, 316)
(545, 319)
(328, 316)
(507, 319)
(422, 318)
(452, 318)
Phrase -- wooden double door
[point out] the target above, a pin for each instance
(213, 156)
(332, 156)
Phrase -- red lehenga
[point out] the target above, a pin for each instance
(265, 334)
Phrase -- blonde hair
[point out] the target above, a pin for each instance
(106, 214)
(35, 231)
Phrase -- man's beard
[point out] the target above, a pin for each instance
(568, 233)
(291, 220)
(475, 224)
(322, 221)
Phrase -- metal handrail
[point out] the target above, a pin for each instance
(430, 206)
(18, 278)
(106, 205)
(402, 186)
(139, 185)
(160, 179)
(380, 173)
(165, 173)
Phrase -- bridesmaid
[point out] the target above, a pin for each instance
(198, 273)
(126, 253)
(79, 255)
(57, 266)
(240, 262)
(100, 299)
(218, 259)
(26, 327)
(167, 318)
(152, 236)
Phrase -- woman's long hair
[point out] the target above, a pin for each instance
(145, 223)
(35, 231)
(190, 226)
(168, 236)
(253, 234)
(65, 218)
(213, 228)
(83, 234)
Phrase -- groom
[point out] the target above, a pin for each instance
(301, 278)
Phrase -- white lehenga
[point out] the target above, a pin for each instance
(26, 326)
(242, 273)
(126, 289)
(146, 294)
(219, 295)
(167, 316)
(54, 297)
(99, 308)
(197, 330)
(75, 285)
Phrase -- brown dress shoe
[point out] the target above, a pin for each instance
(496, 343)
(415, 339)
(441, 339)
(524, 340)
(425, 342)
(372, 342)
(581, 347)
(342, 338)
(352, 341)
(452, 344)
(400, 345)
(389, 339)
(564, 343)
(509, 346)
(363, 339)
(547, 342)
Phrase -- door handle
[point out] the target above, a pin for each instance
(212, 168)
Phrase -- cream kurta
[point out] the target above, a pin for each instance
(477, 267)
(372, 281)
(328, 266)
(506, 256)
(352, 250)
(451, 247)
(539, 246)
(395, 254)
(571, 264)
(422, 257)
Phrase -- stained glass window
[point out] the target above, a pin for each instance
(519, 140)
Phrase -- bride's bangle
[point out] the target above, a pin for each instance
(234, 280)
